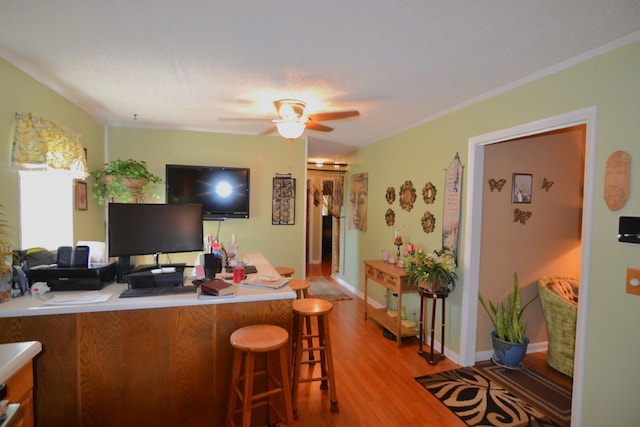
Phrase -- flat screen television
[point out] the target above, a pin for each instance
(222, 191)
(153, 229)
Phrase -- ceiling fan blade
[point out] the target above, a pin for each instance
(318, 127)
(243, 119)
(268, 131)
(337, 115)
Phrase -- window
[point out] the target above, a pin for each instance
(46, 209)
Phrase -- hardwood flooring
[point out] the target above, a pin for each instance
(374, 378)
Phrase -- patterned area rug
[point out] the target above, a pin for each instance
(478, 401)
(553, 399)
(322, 289)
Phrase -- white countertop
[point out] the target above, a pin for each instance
(14, 356)
(31, 305)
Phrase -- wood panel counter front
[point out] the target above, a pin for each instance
(156, 361)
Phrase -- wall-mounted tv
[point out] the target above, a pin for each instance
(222, 191)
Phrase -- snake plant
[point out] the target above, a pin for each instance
(506, 316)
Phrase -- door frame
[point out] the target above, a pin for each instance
(473, 231)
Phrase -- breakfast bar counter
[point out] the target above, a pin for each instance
(161, 360)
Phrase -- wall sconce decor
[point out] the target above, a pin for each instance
(390, 217)
(407, 196)
(391, 195)
(428, 222)
(429, 193)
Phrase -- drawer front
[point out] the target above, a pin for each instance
(371, 272)
(392, 282)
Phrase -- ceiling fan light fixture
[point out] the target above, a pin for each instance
(290, 108)
(290, 129)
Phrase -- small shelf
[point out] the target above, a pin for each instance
(390, 323)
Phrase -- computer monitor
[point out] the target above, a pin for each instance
(152, 229)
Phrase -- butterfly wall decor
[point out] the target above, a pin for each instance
(497, 184)
(522, 216)
(546, 184)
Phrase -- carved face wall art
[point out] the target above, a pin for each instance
(616, 180)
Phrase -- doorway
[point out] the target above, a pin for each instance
(473, 229)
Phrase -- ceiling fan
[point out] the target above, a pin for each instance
(293, 122)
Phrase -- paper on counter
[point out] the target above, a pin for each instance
(78, 298)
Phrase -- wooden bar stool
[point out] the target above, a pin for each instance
(285, 271)
(247, 342)
(304, 310)
(300, 287)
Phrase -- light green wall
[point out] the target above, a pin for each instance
(19, 92)
(611, 82)
(265, 156)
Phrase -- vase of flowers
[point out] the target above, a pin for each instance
(433, 271)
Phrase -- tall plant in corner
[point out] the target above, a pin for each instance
(6, 260)
(506, 316)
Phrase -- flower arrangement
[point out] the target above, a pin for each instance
(434, 271)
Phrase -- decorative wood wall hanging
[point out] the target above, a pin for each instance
(616, 180)
(407, 196)
(391, 195)
(497, 184)
(521, 189)
(428, 222)
(452, 201)
(429, 193)
(522, 216)
(546, 184)
(390, 217)
(283, 208)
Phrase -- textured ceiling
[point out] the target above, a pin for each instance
(186, 64)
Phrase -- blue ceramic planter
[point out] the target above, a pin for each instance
(508, 353)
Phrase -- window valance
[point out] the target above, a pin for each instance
(40, 144)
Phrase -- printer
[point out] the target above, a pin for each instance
(72, 271)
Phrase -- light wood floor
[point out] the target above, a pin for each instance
(374, 378)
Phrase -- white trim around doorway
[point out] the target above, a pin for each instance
(471, 267)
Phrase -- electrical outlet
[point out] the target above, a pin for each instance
(633, 281)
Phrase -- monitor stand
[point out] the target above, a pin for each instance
(124, 267)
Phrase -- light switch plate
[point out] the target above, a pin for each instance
(633, 277)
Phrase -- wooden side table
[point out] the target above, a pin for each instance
(395, 279)
(432, 358)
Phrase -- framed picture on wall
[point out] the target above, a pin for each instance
(81, 195)
(521, 188)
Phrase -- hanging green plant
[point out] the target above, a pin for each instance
(123, 181)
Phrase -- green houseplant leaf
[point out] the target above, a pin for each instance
(114, 181)
(506, 316)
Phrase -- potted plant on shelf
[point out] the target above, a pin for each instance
(431, 271)
(509, 339)
(123, 181)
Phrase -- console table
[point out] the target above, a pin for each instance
(434, 297)
(396, 280)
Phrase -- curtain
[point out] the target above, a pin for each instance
(38, 143)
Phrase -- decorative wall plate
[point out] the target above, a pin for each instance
(428, 222)
(391, 195)
(407, 196)
(390, 217)
(429, 193)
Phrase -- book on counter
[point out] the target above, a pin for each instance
(217, 288)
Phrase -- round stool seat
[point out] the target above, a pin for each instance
(299, 286)
(259, 338)
(312, 306)
(285, 271)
